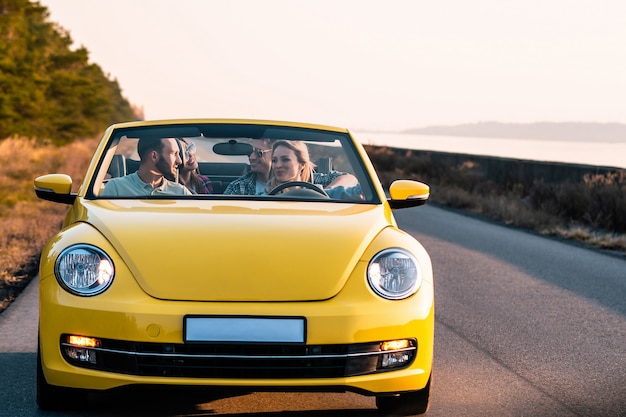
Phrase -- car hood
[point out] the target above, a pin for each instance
(207, 251)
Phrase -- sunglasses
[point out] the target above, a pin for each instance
(259, 152)
(191, 150)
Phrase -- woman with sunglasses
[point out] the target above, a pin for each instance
(188, 174)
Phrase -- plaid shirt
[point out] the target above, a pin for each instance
(246, 185)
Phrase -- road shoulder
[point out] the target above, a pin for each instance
(18, 323)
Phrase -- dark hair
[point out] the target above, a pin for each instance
(146, 145)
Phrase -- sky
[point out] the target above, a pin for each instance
(362, 64)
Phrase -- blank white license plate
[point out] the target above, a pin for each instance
(245, 329)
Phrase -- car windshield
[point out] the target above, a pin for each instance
(231, 161)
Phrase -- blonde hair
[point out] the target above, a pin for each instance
(302, 155)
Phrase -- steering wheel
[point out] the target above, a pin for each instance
(303, 184)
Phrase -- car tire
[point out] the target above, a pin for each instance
(406, 404)
(50, 397)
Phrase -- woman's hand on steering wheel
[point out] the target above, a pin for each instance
(302, 184)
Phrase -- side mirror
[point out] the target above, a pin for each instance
(56, 188)
(408, 193)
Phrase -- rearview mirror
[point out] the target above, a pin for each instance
(232, 147)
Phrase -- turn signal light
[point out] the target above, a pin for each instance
(395, 344)
(83, 341)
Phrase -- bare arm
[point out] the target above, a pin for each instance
(346, 180)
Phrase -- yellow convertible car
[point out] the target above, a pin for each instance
(239, 254)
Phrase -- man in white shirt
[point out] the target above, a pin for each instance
(156, 174)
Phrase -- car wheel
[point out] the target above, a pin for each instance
(50, 397)
(407, 404)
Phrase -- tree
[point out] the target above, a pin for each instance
(47, 90)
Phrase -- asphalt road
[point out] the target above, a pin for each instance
(525, 326)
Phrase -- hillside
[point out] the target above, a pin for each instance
(566, 131)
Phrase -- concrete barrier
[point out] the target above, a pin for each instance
(509, 170)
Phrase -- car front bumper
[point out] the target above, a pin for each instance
(139, 327)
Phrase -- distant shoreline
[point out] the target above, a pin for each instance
(566, 131)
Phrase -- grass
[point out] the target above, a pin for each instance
(592, 212)
(27, 222)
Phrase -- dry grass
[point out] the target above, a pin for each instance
(27, 222)
(591, 212)
(602, 240)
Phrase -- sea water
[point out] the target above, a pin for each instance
(608, 154)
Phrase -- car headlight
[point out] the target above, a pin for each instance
(84, 270)
(394, 274)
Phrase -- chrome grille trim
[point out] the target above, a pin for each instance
(217, 356)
